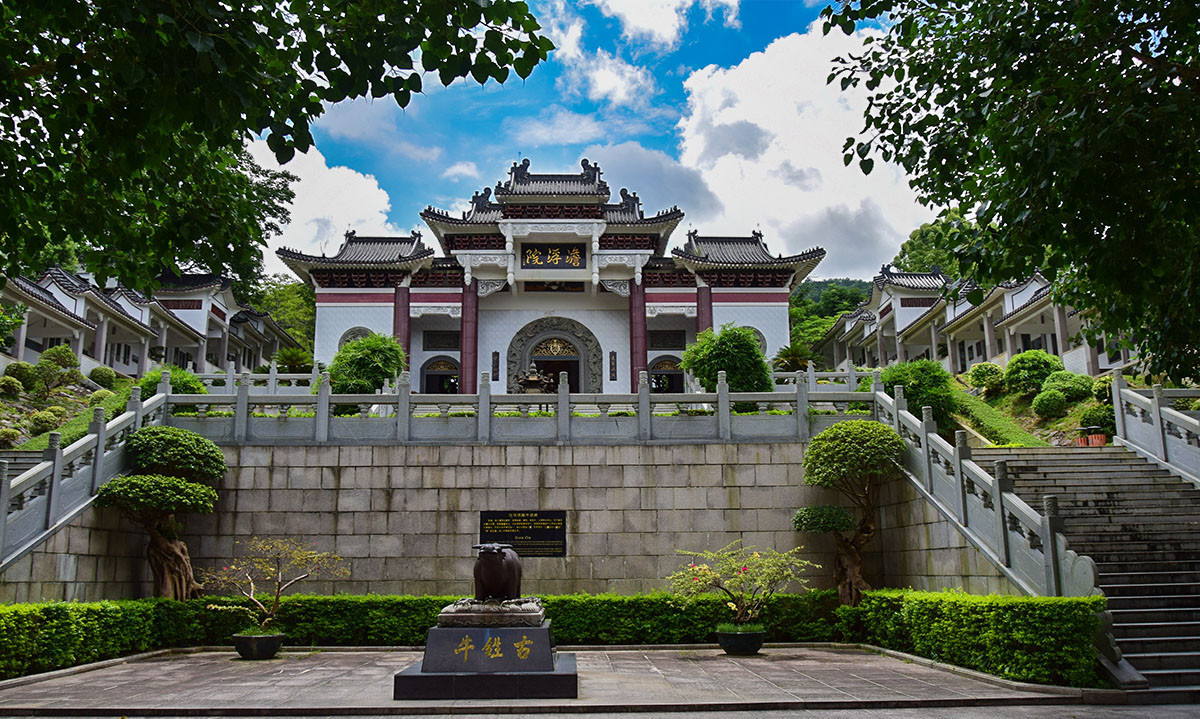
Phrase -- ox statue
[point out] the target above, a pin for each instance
(497, 572)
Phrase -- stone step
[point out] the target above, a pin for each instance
(1119, 512)
(1143, 630)
(1185, 694)
(1167, 577)
(1150, 661)
(1159, 645)
(1169, 677)
(1087, 468)
(1129, 481)
(1050, 453)
(1117, 548)
(1127, 525)
(1161, 615)
(1165, 601)
(1115, 557)
(1149, 590)
(1150, 501)
(1142, 566)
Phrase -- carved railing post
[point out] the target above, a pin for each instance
(164, 384)
(851, 378)
(135, 405)
(901, 406)
(724, 430)
(241, 414)
(811, 374)
(802, 428)
(961, 452)
(315, 378)
(99, 428)
(404, 406)
(1160, 429)
(5, 498)
(643, 410)
(876, 388)
(54, 455)
(1051, 526)
(1003, 484)
(483, 413)
(322, 413)
(273, 378)
(563, 411)
(928, 429)
(1118, 389)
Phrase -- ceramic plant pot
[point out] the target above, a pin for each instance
(257, 646)
(741, 644)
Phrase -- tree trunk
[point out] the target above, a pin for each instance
(848, 571)
(171, 566)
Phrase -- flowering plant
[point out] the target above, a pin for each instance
(273, 564)
(746, 576)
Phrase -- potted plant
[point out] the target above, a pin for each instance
(747, 578)
(276, 565)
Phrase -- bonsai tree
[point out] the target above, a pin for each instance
(176, 452)
(745, 576)
(361, 366)
(854, 459)
(57, 366)
(153, 501)
(734, 350)
(274, 565)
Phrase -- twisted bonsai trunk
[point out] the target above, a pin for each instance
(848, 571)
(170, 563)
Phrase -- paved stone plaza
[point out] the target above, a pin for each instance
(359, 682)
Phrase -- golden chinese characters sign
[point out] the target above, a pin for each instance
(554, 256)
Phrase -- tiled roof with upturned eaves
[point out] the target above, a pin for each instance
(739, 252)
(46, 297)
(522, 182)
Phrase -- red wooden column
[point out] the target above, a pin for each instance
(468, 369)
(400, 319)
(704, 320)
(637, 333)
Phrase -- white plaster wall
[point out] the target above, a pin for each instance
(420, 357)
(1019, 297)
(333, 319)
(770, 319)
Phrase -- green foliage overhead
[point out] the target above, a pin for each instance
(11, 319)
(1049, 403)
(1101, 416)
(993, 424)
(926, 384)
(103, 376)
(152, 500)
(1068, 129)
(736, 351)
(830, 297)
(175, 452)
(124, 122)
(929, 246)
(986, 376)
(24, 372)
(10, 387)
(1073, 386)
(852, 454)
(1027, 371)
(182, 382)
(823, 518)
(361, 366)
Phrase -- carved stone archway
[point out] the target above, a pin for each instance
(591, 356)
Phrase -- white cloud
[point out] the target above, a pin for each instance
(460, 170)
(373, 123)
(659, 179)
(661, 22)
(769, 132)
(329, 201)
(553, 126)
(600, 75)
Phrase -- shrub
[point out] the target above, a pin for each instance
(10, 387)
(76, 427)
(747, 577)
(293, 360)
(992, 423)
(24, 373)
(103, 376)
(1045, 640)
(9, 438)
(361, 366)
(926, 384)
(1050, 403)
(734, 350)
(1101, 416)
(986, 376)
(1102, 389)
(175, 452)
(42, 422)
(182, 381)
(61, 355)
(1027, 371)
(1073, 386)
(57, 411)
(98, 397)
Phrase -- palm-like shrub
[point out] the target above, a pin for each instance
(1073, 386)
(361, 366)
(926, 384)
(986, 376)
(1049, 404)
(177, 452)
(1027, 371)
(793, 358)
(293, 360)
(854, 459)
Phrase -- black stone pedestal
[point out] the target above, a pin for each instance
(489, 663)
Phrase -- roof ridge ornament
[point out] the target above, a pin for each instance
(630, 201)
(591, 171)
(519, 173)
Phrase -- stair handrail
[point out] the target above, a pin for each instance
(48, 496)
(1146, 425)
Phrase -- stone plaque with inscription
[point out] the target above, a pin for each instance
(532, 533)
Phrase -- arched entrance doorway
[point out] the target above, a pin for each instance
(440, 376)
(557, 344)
(666, 376)
(554, 355)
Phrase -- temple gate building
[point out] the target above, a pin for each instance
(545, 269)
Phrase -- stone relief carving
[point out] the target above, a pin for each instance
(656, 310)
(582, 229)
(422, 310)
(619, 287)
(489, 287)
(591, 356)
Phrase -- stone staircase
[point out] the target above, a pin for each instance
(19, 462)
(1141, 524)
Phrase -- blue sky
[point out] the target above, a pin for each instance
(718, 106)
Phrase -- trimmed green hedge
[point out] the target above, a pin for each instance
(1043, 640)
(991, 423)
(1028, 639)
